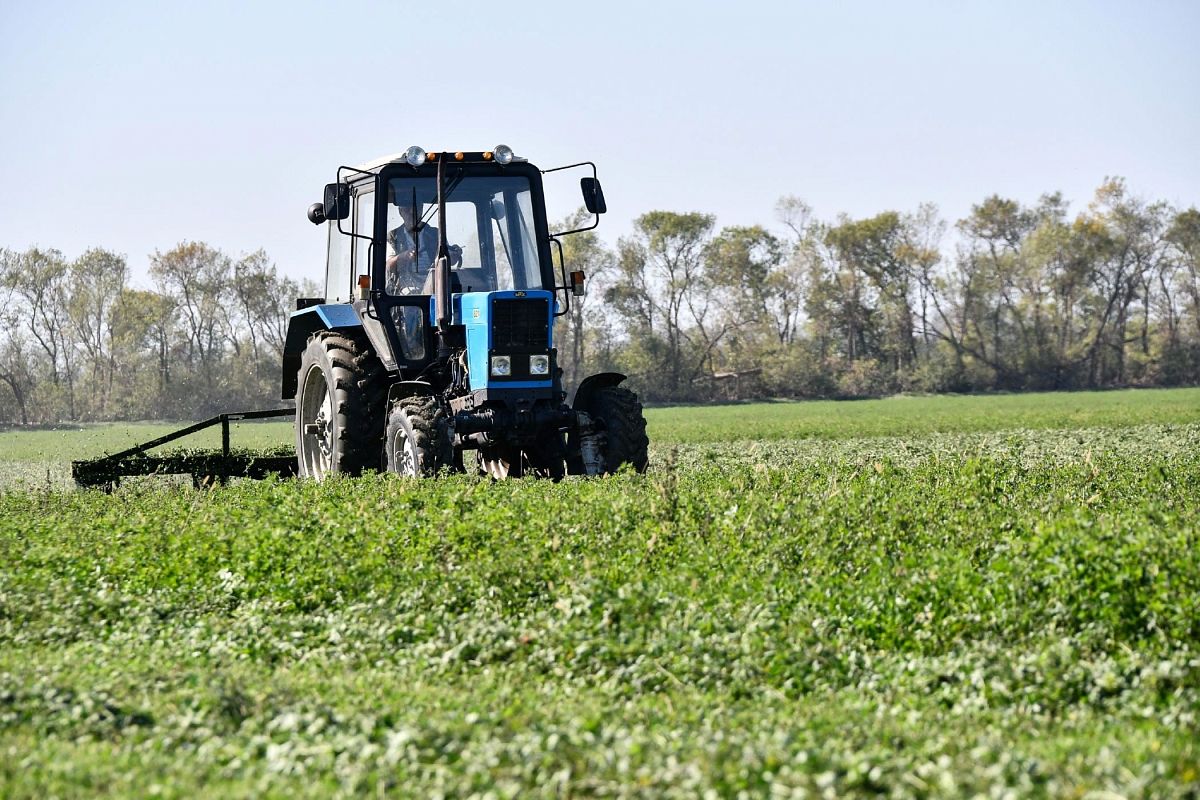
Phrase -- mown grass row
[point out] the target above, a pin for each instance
(926, 616)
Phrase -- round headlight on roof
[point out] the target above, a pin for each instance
(415, 156)
(504, 154)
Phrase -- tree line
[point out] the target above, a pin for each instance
(1012, 297)
(78, 341)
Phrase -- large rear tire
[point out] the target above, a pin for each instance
(418, 438)
(340, 400)
(623, 426)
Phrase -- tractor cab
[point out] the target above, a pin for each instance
(495, 239)
(440, 281)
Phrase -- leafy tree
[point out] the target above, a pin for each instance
(662, 292)
(17, 373)
(750, 266)
(877, 249)
(97, 281)
(198, 278)
(39, 281)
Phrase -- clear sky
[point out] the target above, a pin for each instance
(135, 125)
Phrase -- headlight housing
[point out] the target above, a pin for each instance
(539, 365)
(503, 153)
(414, 156)
(501, 366)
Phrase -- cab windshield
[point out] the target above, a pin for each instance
(489, 230)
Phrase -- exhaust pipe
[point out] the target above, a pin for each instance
(441, 275)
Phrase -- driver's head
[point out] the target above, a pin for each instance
(408, 215)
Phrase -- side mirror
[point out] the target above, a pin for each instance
(337, 201)
(593, 195)
(498, 210)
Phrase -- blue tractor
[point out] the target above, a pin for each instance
(433, 348)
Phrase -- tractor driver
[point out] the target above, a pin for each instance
(409, 257)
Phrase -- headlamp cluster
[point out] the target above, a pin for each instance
(502, 154)
(502, 366)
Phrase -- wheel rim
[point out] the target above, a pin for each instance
(316, 421)
(403, 457)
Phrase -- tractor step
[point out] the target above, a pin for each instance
(205, 466)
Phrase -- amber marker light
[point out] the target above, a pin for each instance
(487, 156)
(364, 281)
(431, 156)
(459, 156)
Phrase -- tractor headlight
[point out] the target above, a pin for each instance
(504, 154)
(414, 156)
(501, 365)
(539, 365)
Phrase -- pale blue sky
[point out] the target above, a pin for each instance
(134, 125)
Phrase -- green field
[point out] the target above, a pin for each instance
(993, 596)
(41, 458)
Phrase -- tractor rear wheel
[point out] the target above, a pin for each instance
(624, 428)
(418, 438)
(340, 399)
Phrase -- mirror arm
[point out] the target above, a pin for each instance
(578, 230)
(352, 234)
(595, 175)
(572, 166)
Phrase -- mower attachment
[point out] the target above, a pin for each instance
(205, 466)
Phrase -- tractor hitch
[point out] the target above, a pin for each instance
(477, 427)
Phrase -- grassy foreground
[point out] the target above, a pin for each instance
(936, 613)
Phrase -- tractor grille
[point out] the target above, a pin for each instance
(520, 325)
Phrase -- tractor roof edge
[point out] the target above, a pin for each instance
(376, 164)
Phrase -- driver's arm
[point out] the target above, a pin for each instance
(396, 259)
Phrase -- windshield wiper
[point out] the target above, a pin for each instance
(450, 187)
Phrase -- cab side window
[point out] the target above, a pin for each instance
(364, 226)
(337, 268)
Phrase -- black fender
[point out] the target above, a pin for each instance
(402, 389)
(592, 383)
(303, 324)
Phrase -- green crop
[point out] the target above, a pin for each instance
(990, 611)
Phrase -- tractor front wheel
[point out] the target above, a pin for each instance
(418, 438)
(622, 428)
(339, 407)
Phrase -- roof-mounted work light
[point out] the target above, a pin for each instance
(503, 154)
(414, 156)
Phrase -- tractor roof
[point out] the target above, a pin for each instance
(375, 163)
